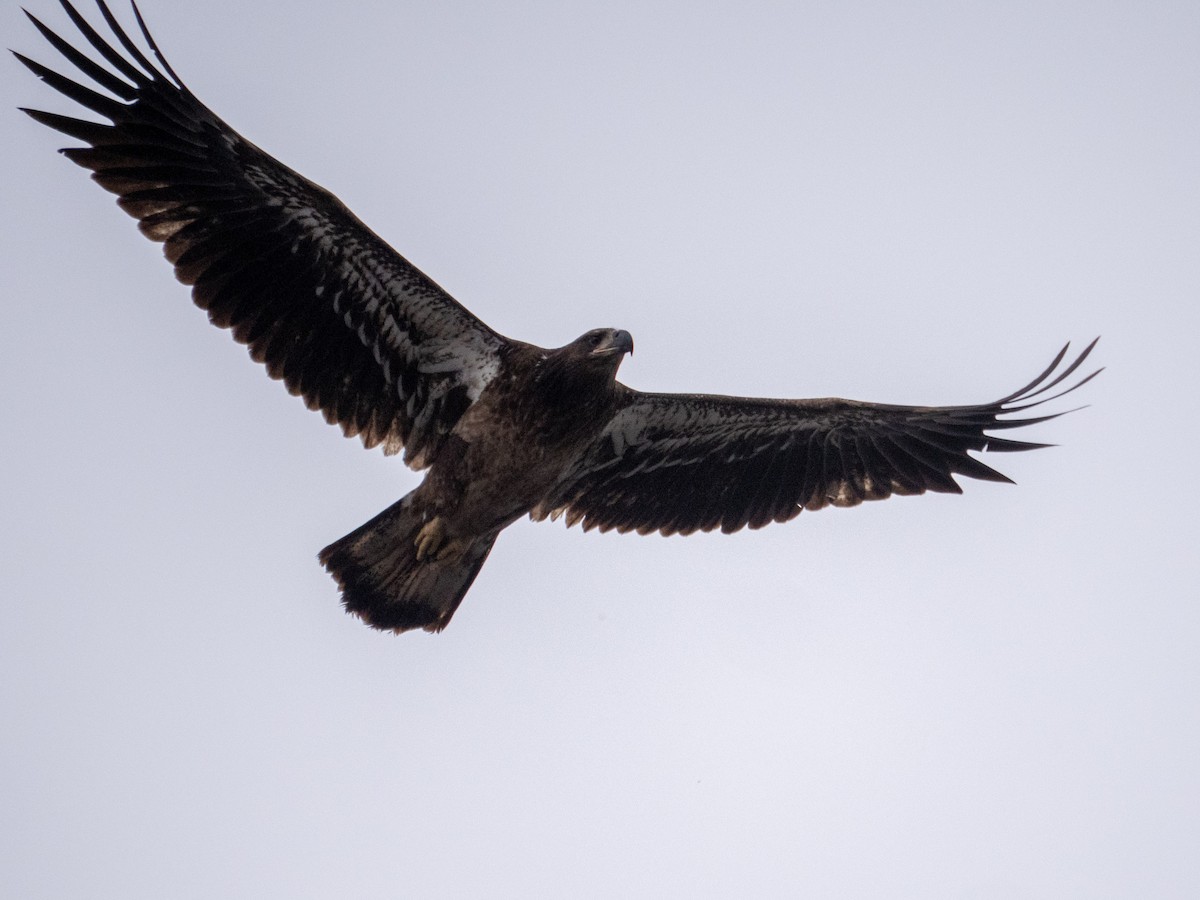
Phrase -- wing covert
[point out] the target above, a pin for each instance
(324, 303)
(679, 463)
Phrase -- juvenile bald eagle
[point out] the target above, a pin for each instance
(506, 429)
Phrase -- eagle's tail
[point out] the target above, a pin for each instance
(385, 583)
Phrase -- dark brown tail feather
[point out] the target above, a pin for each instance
(385, 585)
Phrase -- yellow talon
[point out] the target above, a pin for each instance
(430, 537)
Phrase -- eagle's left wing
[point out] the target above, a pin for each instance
(678, 463)
(343, 319)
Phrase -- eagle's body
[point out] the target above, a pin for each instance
(503, 457)
(506, 452)
(504, 428)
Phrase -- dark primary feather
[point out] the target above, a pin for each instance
(679, 463)
(325, 304)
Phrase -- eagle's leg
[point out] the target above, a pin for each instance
(430, 538)
(432, 543)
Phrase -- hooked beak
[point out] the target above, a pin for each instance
(620, 343)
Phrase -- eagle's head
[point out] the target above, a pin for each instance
(584, 372)
(604, 347)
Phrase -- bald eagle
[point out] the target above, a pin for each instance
(504, 428)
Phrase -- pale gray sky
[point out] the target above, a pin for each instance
(989, 696)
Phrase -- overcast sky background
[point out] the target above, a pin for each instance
(992, 695)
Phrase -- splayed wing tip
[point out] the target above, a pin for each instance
(1048, 380)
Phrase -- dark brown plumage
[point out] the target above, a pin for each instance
(506, 429)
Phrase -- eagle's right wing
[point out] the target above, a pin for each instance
(678, 463)
(345, 321)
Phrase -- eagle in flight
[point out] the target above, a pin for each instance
(505, 429)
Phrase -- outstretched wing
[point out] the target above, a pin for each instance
(345, 321)
(678, 463)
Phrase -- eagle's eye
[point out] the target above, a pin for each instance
(595, 339)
